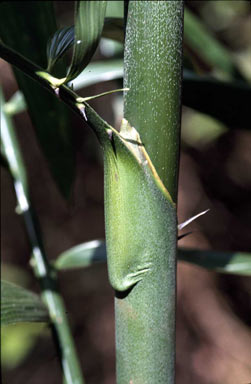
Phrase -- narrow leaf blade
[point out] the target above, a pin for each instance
(20, 305)
(198, 37)
(82, 255)
(225, 262)
(58, 45)
(89, 22)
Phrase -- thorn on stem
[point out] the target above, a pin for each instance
(182, 225)
(82, 111)
(184, 235)
(109, 132)
(56, 90)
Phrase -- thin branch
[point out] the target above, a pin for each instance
(68, 96)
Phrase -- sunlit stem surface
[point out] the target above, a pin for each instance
(145, 315)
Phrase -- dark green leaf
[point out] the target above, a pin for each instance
(199, 38)
(238, 263)
(57, 46)
(20, 305)
(26, 26)
(89, 22)
(225, 101)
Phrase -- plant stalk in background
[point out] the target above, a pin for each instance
(45, 274)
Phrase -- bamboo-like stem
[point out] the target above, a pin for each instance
(45, 274)
(153, 73)
(145, 315)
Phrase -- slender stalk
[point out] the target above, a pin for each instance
(42, 269)
(145, 314)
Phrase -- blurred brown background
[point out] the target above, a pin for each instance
(214, 310)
